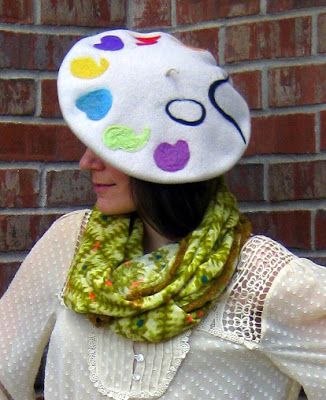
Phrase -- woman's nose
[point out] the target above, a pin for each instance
(90, 161)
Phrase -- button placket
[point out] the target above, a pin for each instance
(139, 368)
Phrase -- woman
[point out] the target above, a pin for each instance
(165, 294)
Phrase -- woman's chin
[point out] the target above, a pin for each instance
(113, 209)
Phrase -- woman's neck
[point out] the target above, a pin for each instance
(152, 239)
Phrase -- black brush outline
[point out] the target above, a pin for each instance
(211, 93)
(183, 121)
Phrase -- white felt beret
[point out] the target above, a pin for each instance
(153, 107)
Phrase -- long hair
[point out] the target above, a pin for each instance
(173, 210)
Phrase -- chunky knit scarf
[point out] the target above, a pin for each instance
(156, 296)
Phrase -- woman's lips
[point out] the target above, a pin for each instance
(101, 188)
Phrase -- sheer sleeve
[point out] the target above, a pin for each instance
(294, 325)
(28, 308)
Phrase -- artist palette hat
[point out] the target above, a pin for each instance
(152, 107)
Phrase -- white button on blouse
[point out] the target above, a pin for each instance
(136, 377)
(139, 357)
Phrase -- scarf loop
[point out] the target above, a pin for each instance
(166, 295)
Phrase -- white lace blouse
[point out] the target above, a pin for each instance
(265, 337)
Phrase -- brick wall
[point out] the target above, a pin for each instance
(275, 52)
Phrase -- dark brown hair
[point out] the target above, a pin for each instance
(173, 210)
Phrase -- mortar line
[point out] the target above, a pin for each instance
(43, 189)
(42, 211)
(31, 120)
(317, 131)
(289, 110)
(37, 12)
(173, 13)
(128, 14)
(221, 45)
(283, 158)
(50, 29)
(11, 165)
(266, 181)
(38, 97)
(289, 205)
(312, 229)
(309, 253)
(247, 19)
(314, 35)
(27, 74)
(13, 257)
(276, 62)
(263, 7)
(264, 88)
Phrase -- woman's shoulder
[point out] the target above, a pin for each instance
(74, 221)
(262, 249)
(238, 316)
(260, 261)
(264, 260)
(73, 217)
(61, 235)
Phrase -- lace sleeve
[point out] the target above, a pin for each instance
(294, 325)
(27, 309)
(238, 316)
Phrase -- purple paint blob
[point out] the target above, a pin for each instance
(171, 158)
(110, 42)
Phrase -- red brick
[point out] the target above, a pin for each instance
(16, 12)
(291, 228)
(249, 85)
(17, 97)
(282, 134)
(27, 142)
(289, 37)
(7, 273)
(33, 51)
(296, 181)
(203, 38)
(322, 33)
(101, 13)
(298, 85)
(69, 188)
(321, 229)
(149, 13)
(246, 182)
(49, 96)
(194, 11)
(21, 232)
(284, 5)
(323, 130)
(19, 188)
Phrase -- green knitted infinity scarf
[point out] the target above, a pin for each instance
(157, 296)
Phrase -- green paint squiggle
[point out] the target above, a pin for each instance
(120, 137)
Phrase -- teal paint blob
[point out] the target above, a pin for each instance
(95, 104)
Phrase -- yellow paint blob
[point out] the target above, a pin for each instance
(87, 67)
